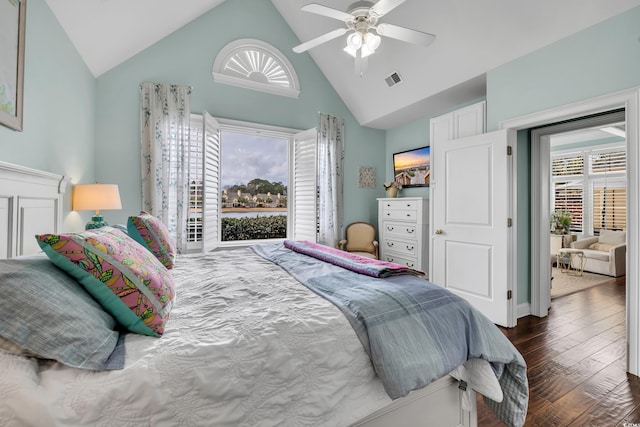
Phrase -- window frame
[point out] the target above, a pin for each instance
(249, 47)
(589, 179)
(258, 129)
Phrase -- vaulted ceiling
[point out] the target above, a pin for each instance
(472, 37)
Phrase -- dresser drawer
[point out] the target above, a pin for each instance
(400, 214)
(399, 229)
(405, 248)
(409, 205)
(411, 263)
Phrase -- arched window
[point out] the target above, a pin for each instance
(254, 64)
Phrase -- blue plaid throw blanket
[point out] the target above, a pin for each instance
(414, 331)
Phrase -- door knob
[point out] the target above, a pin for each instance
(438, 231)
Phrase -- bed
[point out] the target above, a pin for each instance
(246, 343)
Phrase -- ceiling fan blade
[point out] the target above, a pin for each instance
(319, 40)
(327, 11)
(405, 34)
(385, 6)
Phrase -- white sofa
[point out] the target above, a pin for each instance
(604, 254)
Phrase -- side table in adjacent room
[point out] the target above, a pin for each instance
(571, 261)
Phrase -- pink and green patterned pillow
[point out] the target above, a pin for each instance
(124, 277)
(151, 233)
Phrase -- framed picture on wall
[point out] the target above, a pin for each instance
(411, 168)
(12, 34)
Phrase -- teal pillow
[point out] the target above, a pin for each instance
(46, 312)
(151, 233)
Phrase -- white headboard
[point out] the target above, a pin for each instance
(30, 204)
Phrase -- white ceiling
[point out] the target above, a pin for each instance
(473, 37)
(589, 134)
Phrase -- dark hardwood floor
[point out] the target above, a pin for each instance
(576, 360)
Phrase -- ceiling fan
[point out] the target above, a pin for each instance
(364, 30)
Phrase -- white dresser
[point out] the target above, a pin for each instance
(403, 224)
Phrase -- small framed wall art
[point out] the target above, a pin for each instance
(367, 177)
(12, 35)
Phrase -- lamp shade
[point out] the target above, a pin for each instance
(94, 197)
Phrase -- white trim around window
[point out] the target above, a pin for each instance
(255, 64)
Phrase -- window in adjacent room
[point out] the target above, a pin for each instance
(590, 184)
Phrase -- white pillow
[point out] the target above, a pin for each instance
(610, 237)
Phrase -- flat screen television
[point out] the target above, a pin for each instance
(411, 168)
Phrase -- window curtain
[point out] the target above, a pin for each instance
(330, 179)
(165, 111)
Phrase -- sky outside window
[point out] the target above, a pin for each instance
(245, 157)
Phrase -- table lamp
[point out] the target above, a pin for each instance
(95, 197)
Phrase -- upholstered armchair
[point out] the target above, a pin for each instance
(604, 254)
(360, 239)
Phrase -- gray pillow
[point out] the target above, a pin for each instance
(49, 313)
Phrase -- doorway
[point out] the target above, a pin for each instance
(536, 229)
(541, 148)
(587, 202)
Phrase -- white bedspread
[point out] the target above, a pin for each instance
(246, 345)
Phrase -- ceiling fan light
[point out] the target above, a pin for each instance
(351, 51)
(354, 40)
(371, 41)
(366, 51)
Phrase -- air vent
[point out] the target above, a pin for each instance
(393, 79)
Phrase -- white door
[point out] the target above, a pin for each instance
(471, 230)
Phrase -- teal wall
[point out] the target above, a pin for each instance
(602, 59)
(186, 57)
(59, 107)
(523, 212)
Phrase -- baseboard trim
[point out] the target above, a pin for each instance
(524, 309)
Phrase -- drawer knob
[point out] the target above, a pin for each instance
(439, 231)
(410, 230)
(408, 214)
(389, 244)
(410, 264)
(409, 247)
(389, 228)
(389, 259)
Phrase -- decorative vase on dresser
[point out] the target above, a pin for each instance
(403, 224)
(392, 192)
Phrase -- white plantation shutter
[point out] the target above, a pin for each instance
(609, 207)
(304, 212)
(568, 165)
(211, 193)
(608, 162)
(569, 196)
(203, 157)
(568, 187)
(194, 156)
(608, 170)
